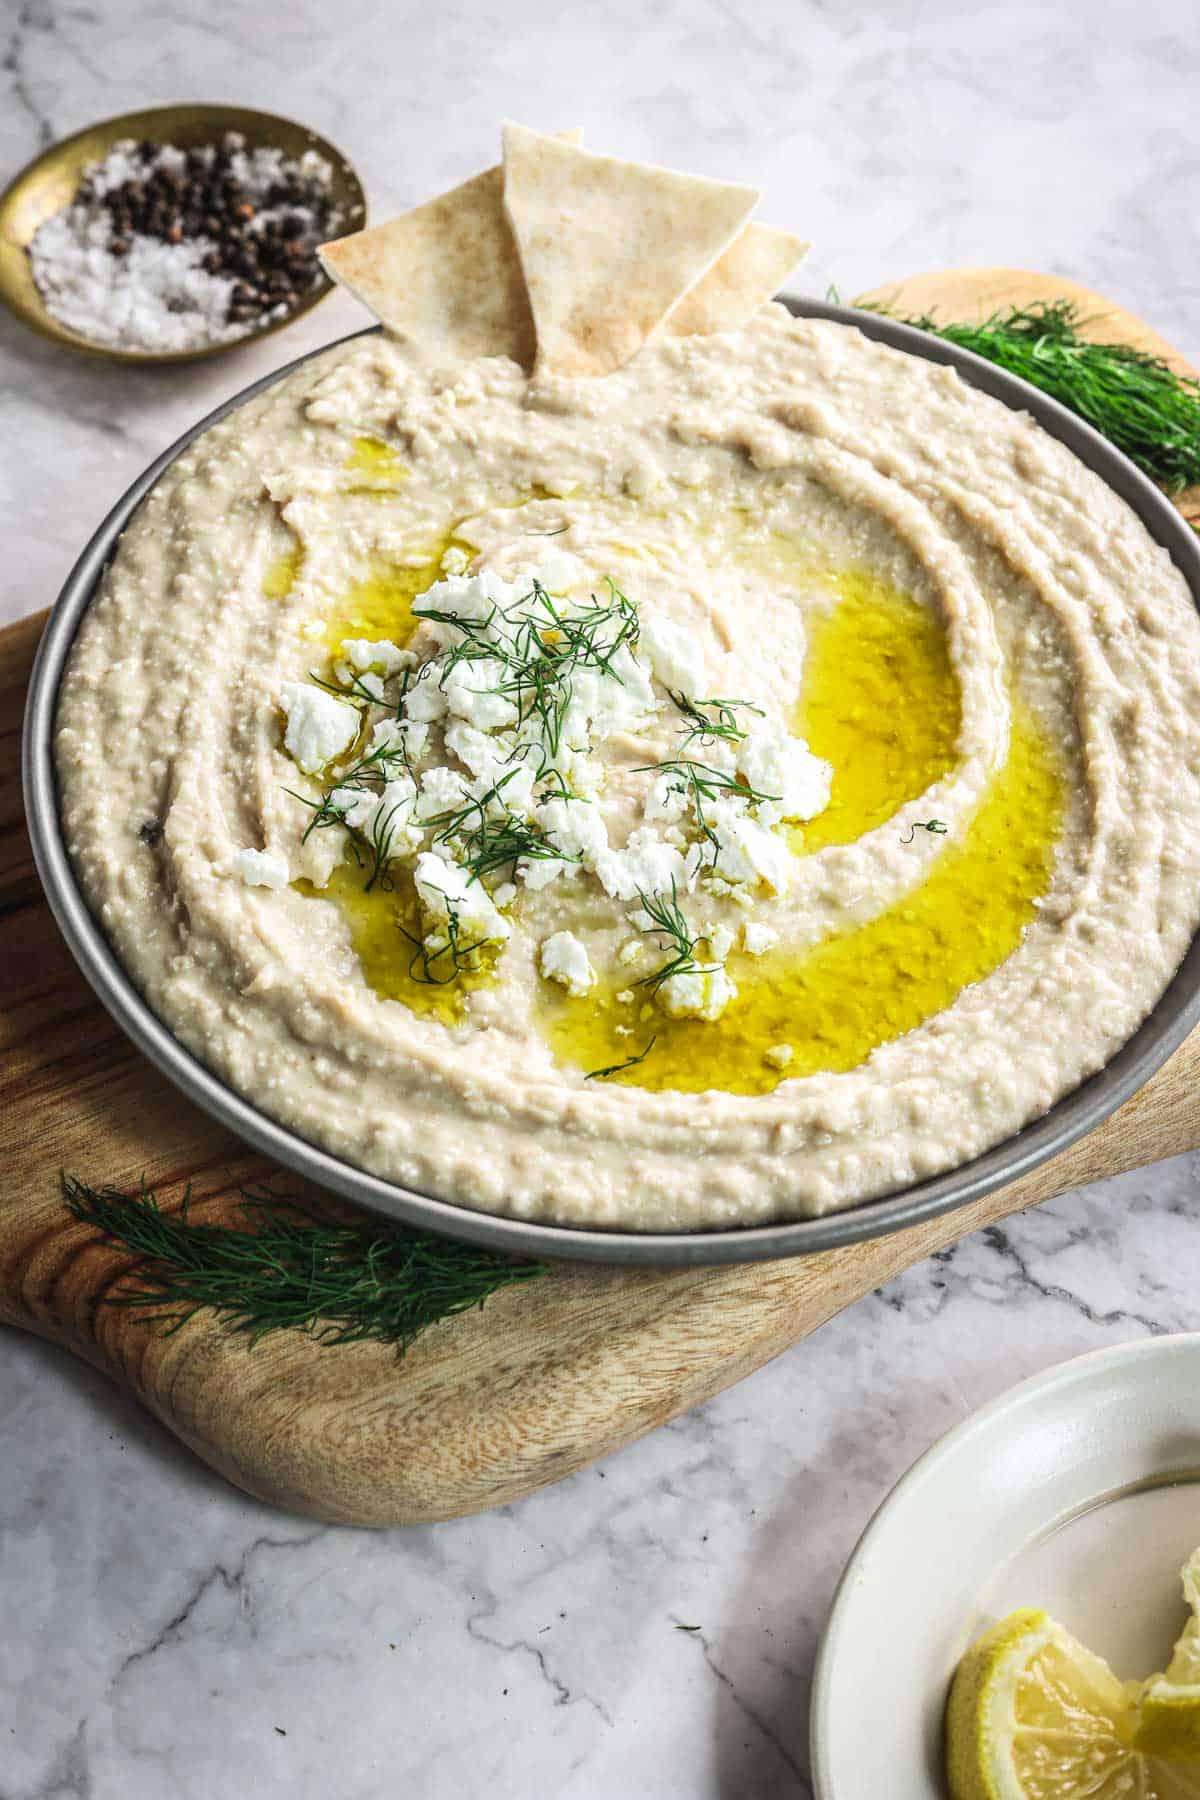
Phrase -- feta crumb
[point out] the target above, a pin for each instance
(632, 951)
(785, 768)
(261, 868)
(540, 871)
(646, 865)
(575, 828)
(455, 561)
(564, 958)
(470, 693)
(505, 894)
(673, 654)
(442, 790)
(779, 1056)
(425, 700)
(379, 655)
(720, 941)
(667, 798)
(626, 997)
(445, 886)
(475, 750)
(319, 725)
(756, 937)
(702, 994)
(746, 850)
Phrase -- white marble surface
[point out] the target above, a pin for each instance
(160, 1637)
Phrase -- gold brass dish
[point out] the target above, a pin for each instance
(49, 183)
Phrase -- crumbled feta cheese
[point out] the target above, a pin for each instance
(564, 958)
(319, 725)
(674, 655)
(785, 768)
(425, 700)
(478, 752)
(407, 738)
(630, 952)
(757, 938)
(626, 997)
(379, 655)
(515, 789)
(540, 871)
(646, 865)
(445, 888)
(393, 829)
(747, 851)
(455, 561)
(505, 894)
(779, 1056)
(385, 817)
(470, 693)
(442, 790)
(667, 799)
(261, 868)
(720, 941)
(575, 828)
(702, 994)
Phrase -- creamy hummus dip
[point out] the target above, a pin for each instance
(715, 793)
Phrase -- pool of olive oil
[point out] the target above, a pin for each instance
(881, 703)
(386, 927)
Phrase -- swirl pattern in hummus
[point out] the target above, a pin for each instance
(732, 485)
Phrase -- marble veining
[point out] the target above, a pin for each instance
(647, 1628)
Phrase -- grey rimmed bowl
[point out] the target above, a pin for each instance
(1078, 1112)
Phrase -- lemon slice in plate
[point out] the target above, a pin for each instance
(1168, 1721)
(1033, 1715)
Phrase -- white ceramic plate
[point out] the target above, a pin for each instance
(1078, 1491)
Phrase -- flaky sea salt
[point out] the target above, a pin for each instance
(140, 292)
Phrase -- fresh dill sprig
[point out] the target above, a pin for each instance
(703, 779)
(631, 1062)
(489, 835)
(667, 920)
(936, 826)
(439, 949)
(723, 724)
(700, 783)
(1134, 399)
(291, 1268)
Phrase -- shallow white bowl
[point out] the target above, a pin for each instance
(1078, 1491)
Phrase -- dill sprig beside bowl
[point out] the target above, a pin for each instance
(291, 1268)
(1134, 399)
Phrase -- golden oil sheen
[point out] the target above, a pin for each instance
(881, 703)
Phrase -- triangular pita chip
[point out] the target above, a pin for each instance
(608, 247)
(446, 275)
(750, 272)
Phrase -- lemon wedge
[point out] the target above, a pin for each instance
(1033, 1715)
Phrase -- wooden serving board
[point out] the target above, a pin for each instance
(485, 1408)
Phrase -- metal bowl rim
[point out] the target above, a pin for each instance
(1078, 1112)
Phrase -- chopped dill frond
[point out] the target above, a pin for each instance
(1133, 398)
(721, 724)
(290, 1268)
(631, 1062)
(668, 921)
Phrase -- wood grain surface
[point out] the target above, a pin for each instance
(484, 1408)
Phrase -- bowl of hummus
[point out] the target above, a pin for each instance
(729, 803)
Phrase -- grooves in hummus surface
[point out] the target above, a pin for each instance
(838, 572)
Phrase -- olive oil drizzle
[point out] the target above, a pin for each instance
(881, 702)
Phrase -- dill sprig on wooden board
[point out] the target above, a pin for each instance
(291, 1268)
(1134, 399)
